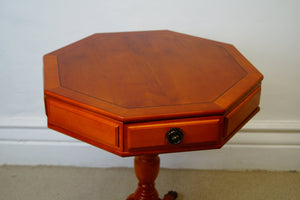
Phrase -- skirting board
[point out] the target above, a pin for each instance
(263, 145)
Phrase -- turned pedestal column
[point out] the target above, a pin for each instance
(146, 170)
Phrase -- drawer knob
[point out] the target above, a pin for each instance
(174, 136)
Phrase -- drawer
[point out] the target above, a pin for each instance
(242, 113)
(82, 124)
(196, 132)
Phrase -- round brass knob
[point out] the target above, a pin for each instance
(174, 136)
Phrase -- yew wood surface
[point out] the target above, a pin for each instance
(122, 92)
(149, 75)
(197, 132)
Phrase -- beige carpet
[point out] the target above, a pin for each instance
(69, 183)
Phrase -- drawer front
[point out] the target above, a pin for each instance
(242, 113)
(81, 124)
(197, 132)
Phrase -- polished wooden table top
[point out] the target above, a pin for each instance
(147, 92)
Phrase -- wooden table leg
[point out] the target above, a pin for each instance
(146, 170)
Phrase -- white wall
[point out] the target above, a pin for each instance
(265, 31)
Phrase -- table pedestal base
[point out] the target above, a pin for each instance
(146, 170)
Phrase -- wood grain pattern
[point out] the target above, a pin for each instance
(123, 91)
(153, 66)
(142, 76)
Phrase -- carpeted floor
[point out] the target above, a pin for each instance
(70, 183)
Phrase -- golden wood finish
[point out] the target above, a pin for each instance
(100, 129)
(152, 135)
(150, 92)
(129, 79)
(151, 75)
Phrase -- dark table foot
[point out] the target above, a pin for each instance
(172, 195)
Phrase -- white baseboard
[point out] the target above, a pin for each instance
(266, 145)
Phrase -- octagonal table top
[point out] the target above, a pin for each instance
(146, 92)
(140, 76)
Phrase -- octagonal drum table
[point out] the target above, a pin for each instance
(150, 92)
